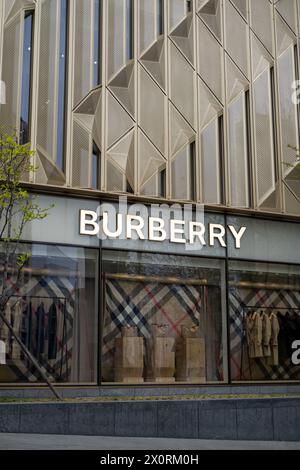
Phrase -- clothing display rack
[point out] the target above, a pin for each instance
(264, 285)
(53, 299)
(154, 279)
(246, 310)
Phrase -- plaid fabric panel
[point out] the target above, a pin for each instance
(140, 305)
(59, 368)
(242, 367)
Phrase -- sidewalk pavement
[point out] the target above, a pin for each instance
(61, 442)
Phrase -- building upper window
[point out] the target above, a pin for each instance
(130, 29)
(96, 161)
(62, 84)
(189, 5)
(26, 76)
(160, 17)
(97, 41)
(162, 183)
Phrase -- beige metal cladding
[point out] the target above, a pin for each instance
(183, 100)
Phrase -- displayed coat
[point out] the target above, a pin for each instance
(275, 329)
(266, 333)
(40, 331)
(271, 336)
(17, 323)
(254, 328)
(52, 332)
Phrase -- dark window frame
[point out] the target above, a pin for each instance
(130, 29)
(160, 17)
(192, 163)
(274, 122)
(26, 96)
(221, 146)
(96, 166)
(98, 28)
(249, 146)
(62, 86)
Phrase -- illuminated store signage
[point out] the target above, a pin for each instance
(156, 229)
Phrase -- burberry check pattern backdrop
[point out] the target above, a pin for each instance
(242, 368)
(59, 368)
(141, 304)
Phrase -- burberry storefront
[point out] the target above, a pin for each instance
(117, 293)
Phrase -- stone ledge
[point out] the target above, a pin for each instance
(240, 419)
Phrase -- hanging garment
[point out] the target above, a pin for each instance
(275, 330)
(249, 335)
(17, 323)
(52, 332)
(40, 331)
(293, 334)
(26, 326)
(257, 335)
(65, 353)
(288, 334)
(266, 334)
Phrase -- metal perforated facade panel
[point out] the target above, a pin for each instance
(144, 79)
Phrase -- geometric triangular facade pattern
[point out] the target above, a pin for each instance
(210, 107)
(119, 121)
(183, 36)
(288, 11)
(284, 35)
(88, 113)
(122, 156)
(154, 61)
(181, 133)
(89, 104)
(261, 59)
(235, 80)
(97, 125)
(122, 86)
(148, 92)
(210, 12)
(14, 7)
(52, 173)
(241, 5)
(151, 161)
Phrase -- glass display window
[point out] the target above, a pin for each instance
(163, 319)
(264, 309)
(54, 313)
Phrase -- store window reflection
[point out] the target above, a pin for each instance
(264, 303)
(54, 314)
(163, 320)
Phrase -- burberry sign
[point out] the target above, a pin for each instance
(173, 224)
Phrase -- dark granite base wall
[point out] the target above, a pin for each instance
(149, 391)
(240, 419)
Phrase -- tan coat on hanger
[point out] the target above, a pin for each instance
(275, 329)
(249, 335)
(257, 335)
(266, 333)
(17, 316)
